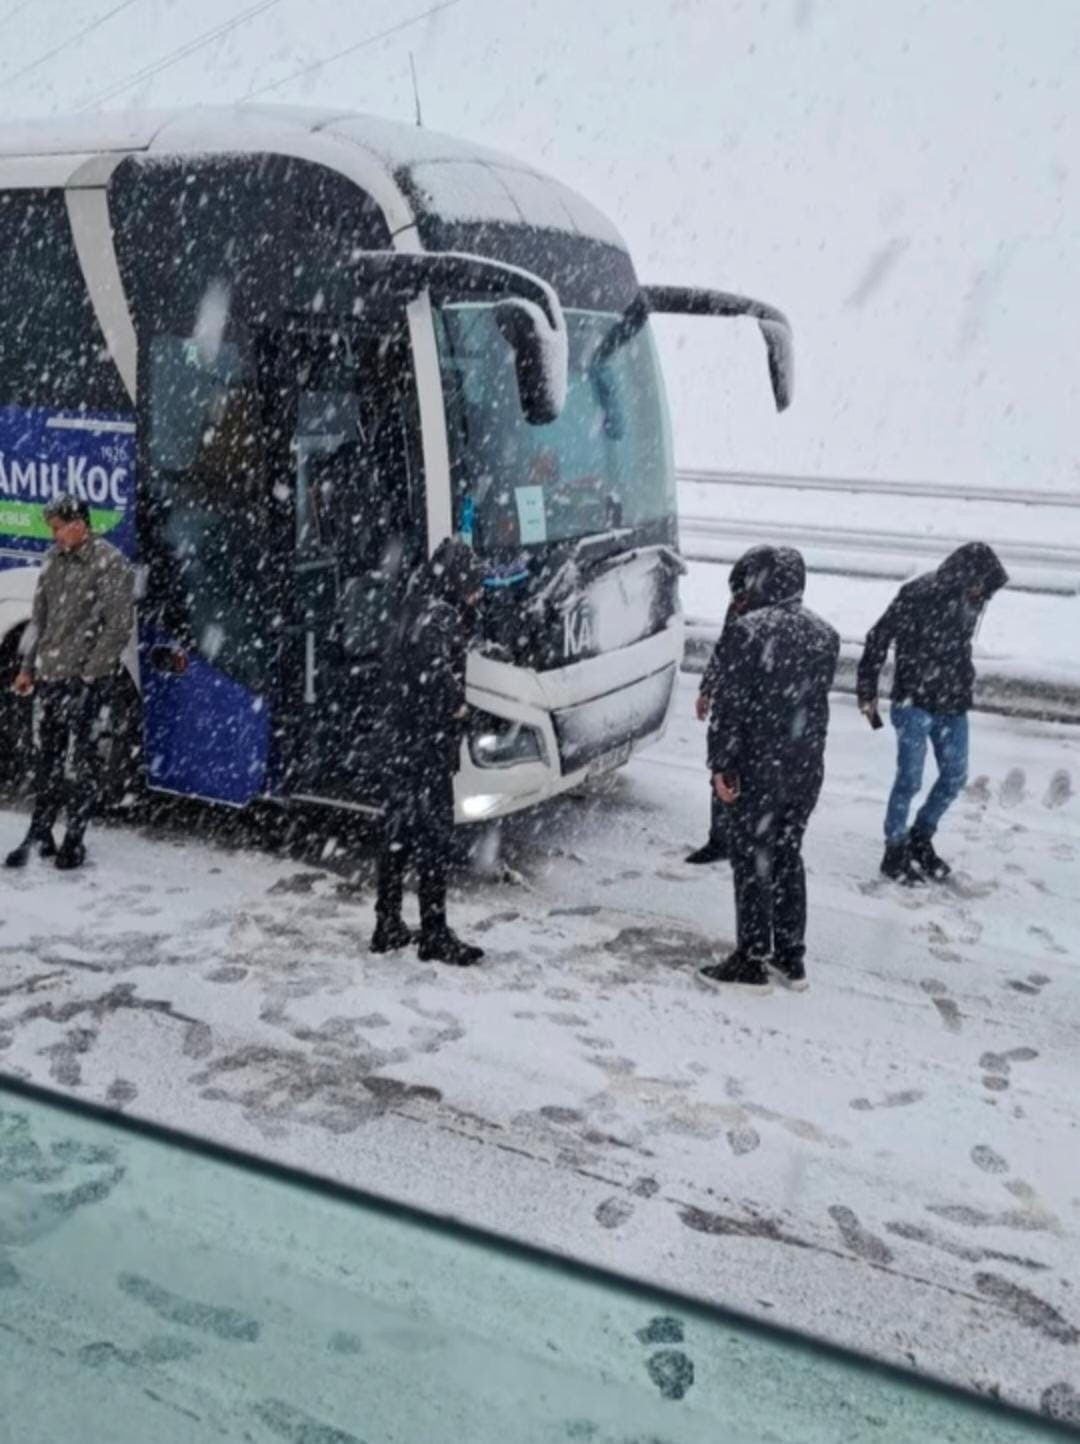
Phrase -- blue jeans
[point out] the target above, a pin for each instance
(948, 734)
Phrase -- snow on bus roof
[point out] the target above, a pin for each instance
(449, 177)
(462, 181)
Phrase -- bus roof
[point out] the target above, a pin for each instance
(450, 178)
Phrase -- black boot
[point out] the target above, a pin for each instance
(791, 972)
(739, 970)
(712, 851)
(923, 854)
(390, 930)
(71, 853)
(442, 945)
(20, 856)
(897, 864)
(438, 942)
(390, 933)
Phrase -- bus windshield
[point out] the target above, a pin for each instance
(605, 463)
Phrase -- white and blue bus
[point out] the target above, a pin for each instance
(283, 353)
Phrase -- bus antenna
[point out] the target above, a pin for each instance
(416, 89)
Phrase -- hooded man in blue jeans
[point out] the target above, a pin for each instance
(932, 622)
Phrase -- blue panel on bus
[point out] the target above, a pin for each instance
(206, 735)
(45, 452)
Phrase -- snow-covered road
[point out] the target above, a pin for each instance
(890, 1159)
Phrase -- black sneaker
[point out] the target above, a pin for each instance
(70, 854)
(444, 946)
(711, 852)
(898, 866)
(738, 971)
(923, 854)
(792, 973)
(390, 934)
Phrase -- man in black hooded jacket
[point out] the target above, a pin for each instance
(423, 712)
(717, 848)
(767, 734)
(931, 622)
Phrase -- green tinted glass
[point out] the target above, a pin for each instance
(157, 1291)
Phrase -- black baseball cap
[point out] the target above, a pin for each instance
(67, 508)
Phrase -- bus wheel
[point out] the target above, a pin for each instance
(120, 747)
(16, 725)
(478, 847)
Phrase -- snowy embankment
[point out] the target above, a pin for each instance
(888, 1159)
(1027, 659)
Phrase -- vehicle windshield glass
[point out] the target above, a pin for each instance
(605, 462)
(167, 1290)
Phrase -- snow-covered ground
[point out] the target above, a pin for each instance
(889, 1159)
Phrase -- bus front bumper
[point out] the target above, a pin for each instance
(586, 719)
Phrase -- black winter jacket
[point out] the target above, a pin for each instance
(715, 665)
(771, 702)
(423, 677)
(932, 623)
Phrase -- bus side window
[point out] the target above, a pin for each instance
(206, 449)
(353, 491)
(52, 351)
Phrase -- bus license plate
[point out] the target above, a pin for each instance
(609, 761)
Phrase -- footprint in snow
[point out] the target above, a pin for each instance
(1032, 985)
(1059, 790)
(891, 1100)
(979, 790)
(984, 1157)
(1047, 938)
(1014, 788)
(743, 1140)
(858, 1239)
(947, 1008)
(613, 1212)
(1061, 1401)
(670, 1369)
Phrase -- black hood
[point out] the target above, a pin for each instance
(766, 575)
(745, 569)
(973, 565)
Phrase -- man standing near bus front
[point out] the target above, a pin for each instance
(423, 722)
(717, 848)
(767, 734)
(81, 622)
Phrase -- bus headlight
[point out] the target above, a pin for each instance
(499, 742)
(474, 808)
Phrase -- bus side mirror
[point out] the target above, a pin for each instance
(693, 301)
(527, 312)
(540, 358)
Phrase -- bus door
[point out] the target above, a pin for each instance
(207, 638)
(340, 455)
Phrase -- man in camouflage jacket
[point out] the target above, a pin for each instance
(81, 622)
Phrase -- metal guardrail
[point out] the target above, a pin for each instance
(945, 491)
(1032, 698)
(1045, 568)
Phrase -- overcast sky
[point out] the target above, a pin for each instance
(900, 177)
